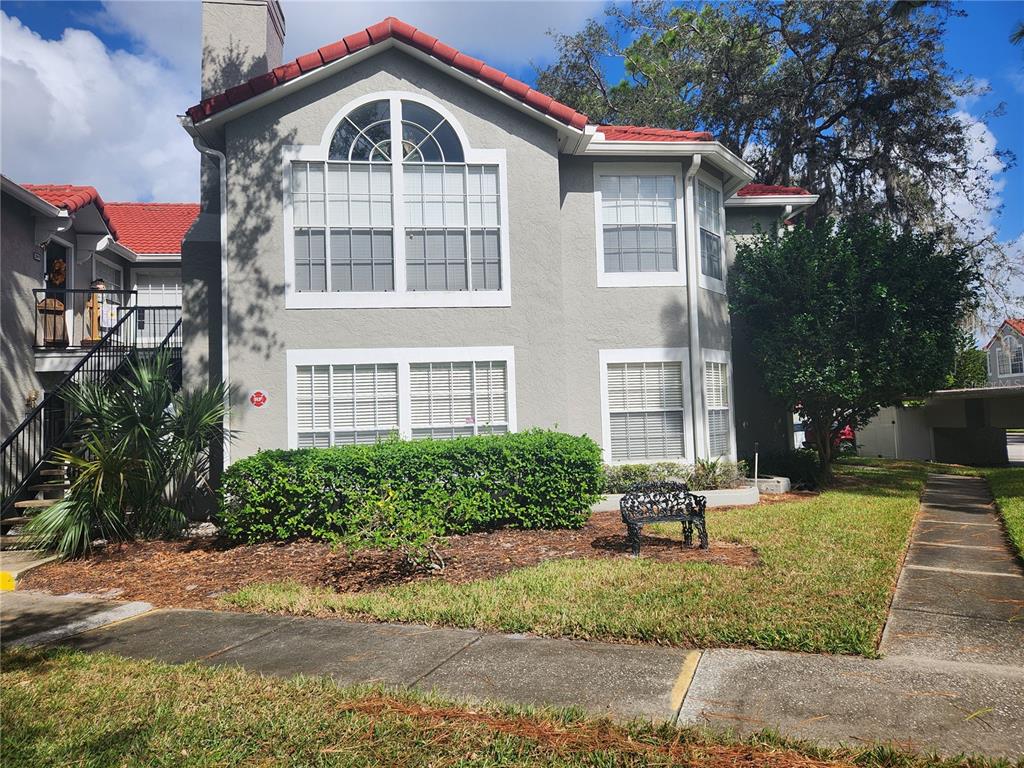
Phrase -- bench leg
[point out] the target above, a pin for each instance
(687, 533)
(633, 535)
(702, 533)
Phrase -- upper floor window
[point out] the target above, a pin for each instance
(1009, 356)
(709, 215)
(371, 226)
(638, 209)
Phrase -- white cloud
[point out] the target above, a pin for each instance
(73, 111)
(77, 111)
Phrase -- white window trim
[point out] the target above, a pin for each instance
(680, 355)
(1007, 344)
(403, 357)
(640, 279)
(163, 272)
(399, 297)
(719, 356)
(706, 282)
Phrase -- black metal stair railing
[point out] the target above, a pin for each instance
(51, 423)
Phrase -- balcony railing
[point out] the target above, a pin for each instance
(77, 318)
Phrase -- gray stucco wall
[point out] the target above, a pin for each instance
(558, 321)
(19, 274)
(760, 418)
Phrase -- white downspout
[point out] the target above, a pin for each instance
(222, 162)
(693, 309)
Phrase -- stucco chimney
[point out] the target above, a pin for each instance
(241, 39)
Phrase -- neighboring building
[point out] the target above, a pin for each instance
(512, 266)
(1006, 355)
(57, 240)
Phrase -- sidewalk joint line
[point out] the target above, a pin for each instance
(964, 571)
(965, 616)
(445, 660)
(958, 546)
(239, 644)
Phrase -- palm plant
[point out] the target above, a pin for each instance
(143, 457)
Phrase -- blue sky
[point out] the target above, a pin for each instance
(142, 60)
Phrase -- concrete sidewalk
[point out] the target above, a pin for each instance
(952, 680)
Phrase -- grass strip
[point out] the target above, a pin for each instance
(64, 707)
(828, 566)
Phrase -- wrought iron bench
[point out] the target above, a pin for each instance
(660, 503)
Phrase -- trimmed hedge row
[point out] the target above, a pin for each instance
(534, 479)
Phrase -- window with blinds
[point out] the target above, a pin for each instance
(453, 399)
(646, 411)
(639, 223)
(709, 216)
(716, 402)
(345, 404)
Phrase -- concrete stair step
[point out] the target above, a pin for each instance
(10, 522)
(54, 486)
(56, 472)
(35, 503)
(14, 542)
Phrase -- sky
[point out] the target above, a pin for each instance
(89, 91)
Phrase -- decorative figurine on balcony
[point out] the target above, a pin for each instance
(95, 309)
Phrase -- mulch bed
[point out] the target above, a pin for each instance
(193, 573)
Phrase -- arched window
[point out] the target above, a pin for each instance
(347, 236)
(1011, 356)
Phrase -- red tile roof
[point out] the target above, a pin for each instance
(757, 190)
(387, 29)
(153, 228)
(643, 133)
(1017, 324)
(71, 198)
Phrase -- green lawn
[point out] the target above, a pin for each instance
(1008, 488)
(829, 565)
(68, 708)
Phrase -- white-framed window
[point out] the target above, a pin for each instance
(710, 232)
(110, 273)
(345, 404)
(1009, 356)
(721, 439)
(645, 401)
(342, 396)
(638, 208)
(365, 226)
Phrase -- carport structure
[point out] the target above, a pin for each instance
(958, 426)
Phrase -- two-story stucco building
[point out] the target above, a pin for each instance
(1005, 352)
(398, 238)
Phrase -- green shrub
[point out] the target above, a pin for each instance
(802, 466)
(382, 520)
(534, 479)
(704, 475)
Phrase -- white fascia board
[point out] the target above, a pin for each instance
(739, 170)
(108, 243)
(771, 201)
(30, 199)
(327, 70)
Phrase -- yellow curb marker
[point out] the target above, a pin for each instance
(684, 679)
(7, 582)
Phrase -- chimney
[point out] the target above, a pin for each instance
(241, 39)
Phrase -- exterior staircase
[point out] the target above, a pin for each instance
(31, 479)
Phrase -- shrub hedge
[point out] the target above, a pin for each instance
(703, 475)
(534, 479)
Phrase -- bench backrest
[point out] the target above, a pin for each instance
(657, 499)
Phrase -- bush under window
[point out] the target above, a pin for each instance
(534, 479)
(703, 475)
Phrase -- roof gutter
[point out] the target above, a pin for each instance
(222, 167)
(693, 307)
(108, 243)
